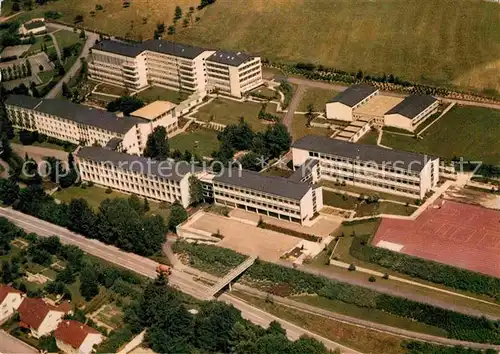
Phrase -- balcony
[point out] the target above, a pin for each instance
(130, 67)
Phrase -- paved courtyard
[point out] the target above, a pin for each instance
(245, 238)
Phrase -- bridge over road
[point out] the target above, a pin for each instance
(229, 277)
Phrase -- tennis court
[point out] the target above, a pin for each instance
(461, 235)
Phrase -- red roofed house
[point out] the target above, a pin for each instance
(10, 300)
(40, 317)
(73, 337)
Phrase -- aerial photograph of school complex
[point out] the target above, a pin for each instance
(250, 177)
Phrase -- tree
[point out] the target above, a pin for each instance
(157, 144)
(307, 345)
(82, 219)
(136, 204)
(238, 136)
(195, 190)
(310, 113)
(252, 161)
(66, 92)
(6, 272)
(67, 275)
(277, 140)
(177, 215)
(9, 191)
(89, 285)
(275, 329)
(177, 13)
(82, 34)
(125, 104)
(242, 339)
(171, 29)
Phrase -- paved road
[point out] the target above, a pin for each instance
(381, 287)
(146, 267)
(91, 39)
(56, 45)
(292, 107)
(12, 345)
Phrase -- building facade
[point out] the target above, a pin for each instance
(342, 106)
(233, 73)
(281, 198)
(41, 318)
(161, 181)
(73, 337)
(368, 166)
(174, 66)
(10, 300)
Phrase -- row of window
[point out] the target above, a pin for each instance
(361, 172)
(256, 203)
(256, 194)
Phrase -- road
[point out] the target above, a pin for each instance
(292, 107)
(146, 267)
(12, 345)
(90, 41)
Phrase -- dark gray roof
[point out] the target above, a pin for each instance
(172, 48)
(354, 94)
(88, 115)
(122, 48)
(303, 170)
(400, 159)
(229, 58)
(28, 102)
(163, 169)
(34, 24)
(113, 143)
(413, 105)
(278, 186)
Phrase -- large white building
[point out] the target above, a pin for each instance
(368, 166)
(78, 124)
(233, 73)
(162, 181)
(174, 66)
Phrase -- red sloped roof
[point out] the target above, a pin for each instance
(6, 290)
(73, 332)
(33, 311)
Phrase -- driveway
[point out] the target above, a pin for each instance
(12, 345)
(91, 39)
(292, 107)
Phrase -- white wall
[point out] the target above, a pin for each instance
(49, 324)
(9, 305)
(339, 111)
(299, 156)
(89, 342)
(398, 121)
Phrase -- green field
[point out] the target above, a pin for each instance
(67, 38)
(227, 112)
(299, 128)
(155, 93)
(469, 132)
(432, 41)
(202, 141)
(317, 97)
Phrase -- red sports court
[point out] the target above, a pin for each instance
(461, 235)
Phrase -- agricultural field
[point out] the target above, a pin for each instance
(227, 112)
(201, 141)
(468, 132)
(383, 36)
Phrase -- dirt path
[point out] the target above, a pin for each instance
(292, 107)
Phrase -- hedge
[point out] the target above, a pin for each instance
(458, 326)
(435, 272)
(290, 232)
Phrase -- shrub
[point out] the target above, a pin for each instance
(352, 268)
(372, 279)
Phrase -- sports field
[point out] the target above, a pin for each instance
(432, 41)
(468, 132)
(461, 235)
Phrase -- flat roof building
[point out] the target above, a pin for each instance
(369, 166)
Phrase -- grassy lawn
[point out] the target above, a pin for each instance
(67, 38)
(46, 76)
(265, 91)
(111, 89)
(468, 132)
(202, 141)
(361, 339)
(300, 130)
(385, 36)
(360, 190)
(45, 144)
(227, 112)
(275, 171)
(369, 138)
(155, 93)
(317, 97)
(104, 99)
(362, 208)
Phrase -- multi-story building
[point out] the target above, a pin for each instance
(369, 166)
(174, 66)
(163, 181)
(277, 197)
(233, 73)
(88, 126)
